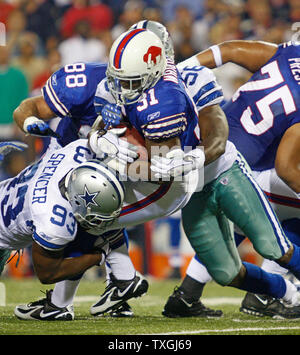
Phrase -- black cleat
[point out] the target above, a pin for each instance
(177, 306)
(124, 311)
(118, 292)
(262, 305)
(44, 310)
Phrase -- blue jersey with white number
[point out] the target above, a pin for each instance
(166, 111)
(262, 109)
(70, 92)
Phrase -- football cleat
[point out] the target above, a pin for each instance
(118, 292)
(44, 310)
(262, 305)
(123, 311)
(178, 306)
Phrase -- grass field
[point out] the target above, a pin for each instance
(147, 320)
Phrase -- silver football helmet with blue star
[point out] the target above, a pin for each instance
(95, 194)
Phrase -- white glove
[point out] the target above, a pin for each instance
(177, 163)
(113, 146)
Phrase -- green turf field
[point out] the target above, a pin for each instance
(147, 320)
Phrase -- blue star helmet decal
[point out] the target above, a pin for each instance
(88, 197)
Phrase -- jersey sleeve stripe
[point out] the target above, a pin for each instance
(54, 99)
(156, 126)
(206, 88)
(209, 99)
(165, 134)
(164, 119)
(47, 245)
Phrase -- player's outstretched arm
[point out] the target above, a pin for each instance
(214, 132)
(33, 109)
(51, 267)
(251, 55)
(287, 163)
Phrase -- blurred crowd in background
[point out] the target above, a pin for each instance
(43, 35)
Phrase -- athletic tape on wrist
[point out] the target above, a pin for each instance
(217, 55)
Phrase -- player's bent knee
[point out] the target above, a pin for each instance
(224, 278)
(268, 250)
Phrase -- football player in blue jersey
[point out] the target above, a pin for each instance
(231, 187)
(174, 124)
(264, 126)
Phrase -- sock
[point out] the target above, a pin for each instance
(291, 294)
(198, 271)
(120, 263)
(64, 292)
(271, 266)
(192, 289)
(262, 282)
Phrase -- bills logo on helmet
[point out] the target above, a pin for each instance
(152, 54)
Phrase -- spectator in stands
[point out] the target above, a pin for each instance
(294, 10)
(53, 64)
(27, 59)
(42, 17)
(82, 47)
(5, 9)
(133, 13)
(15, 25)
(99, 15)
(13, 89)
(170, 7)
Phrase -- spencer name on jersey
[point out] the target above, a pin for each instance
(70, 93)
(265, 107)
(166, 111)
(32, 205)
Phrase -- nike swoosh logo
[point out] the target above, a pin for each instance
(45, 315)
(265, 302)
(121, 294)
(186, 303)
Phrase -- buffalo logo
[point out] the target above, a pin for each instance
(154, 52)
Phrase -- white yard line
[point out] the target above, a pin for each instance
(227, 330)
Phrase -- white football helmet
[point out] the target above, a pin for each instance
(136, 63)
(95, 194)
(160, 31)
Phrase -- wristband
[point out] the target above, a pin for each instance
(217, 55)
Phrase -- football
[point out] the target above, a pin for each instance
(134, 137)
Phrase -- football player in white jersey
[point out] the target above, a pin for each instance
(216, 169)
(63, 203)
(165, 166)
(283, 199)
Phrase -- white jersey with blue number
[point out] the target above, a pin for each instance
(202, 86)
(32, 205)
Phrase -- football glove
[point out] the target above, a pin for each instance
(177, 163)
(113, 146)
(37, 127)
(7, 147)
(111, 115)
